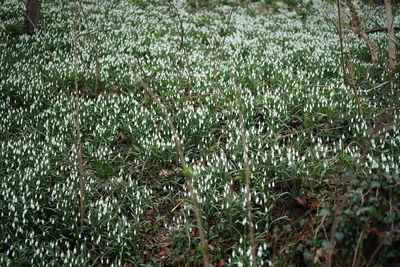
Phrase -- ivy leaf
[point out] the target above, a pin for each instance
(307, 256)
(324, 212)
(326, 245)
(339, 236)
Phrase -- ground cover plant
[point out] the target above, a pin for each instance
(128, 128)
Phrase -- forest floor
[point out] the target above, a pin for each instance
(90, 172)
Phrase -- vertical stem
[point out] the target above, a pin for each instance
(78, 139)
(391, 44)
(352, 82)
(346, 79)
(183, 47)
(96, 86)
(196, 205)
(335, 226)
(341, 42)
(357, 28)
(247, 184)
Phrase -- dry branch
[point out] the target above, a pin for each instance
(76, 121)
(392, 64)
(247, 184)
(196, 206)
(77, 124)
(346, 73)
(397, 28)
(356, 26)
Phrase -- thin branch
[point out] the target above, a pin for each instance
(196, 206)
(357, 28)
(222, 43)
(334, 227)
(340, 207)
(350, 81)
(95, 41)
(77, 122)
(394, 41)
(381, 243)
(392, 64)
(157, 100)
(382, 112)
(247, 183)
(379, 131)
(89, 33)
(397, 28)
(356, 254)
(297, 132)
(373, 88)
(339, 30)
(182, 43)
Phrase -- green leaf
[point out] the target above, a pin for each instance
(326, 245)
(324, 212)
(200, 248)
(339, 236)
(375, 185)
(187, 172)
(307, 256)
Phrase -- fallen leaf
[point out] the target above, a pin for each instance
(221, 262)
(302, 201)
(318, 255)
(163, 172)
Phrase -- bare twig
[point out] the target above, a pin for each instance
(357, 28)
(248, 191)
(356, 254)
(196, 206)
(382, 112)
(377, 132)
(381, 243)
(397, 28)
(95, 41)
(89, 33)
(182, 44)
(335, 226)
(349, 80)
(317, 85)
(96, 85)
(394, 41)
(340, 33)
(352, 81)
(328, 19)
(373, 88)
(76, 121)
(177, 205)
(392, 64)
(78, 138)
(318, 126)
(222, 43)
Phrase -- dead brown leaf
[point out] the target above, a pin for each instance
(221, 262)
(302, 201)
(163, 172)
